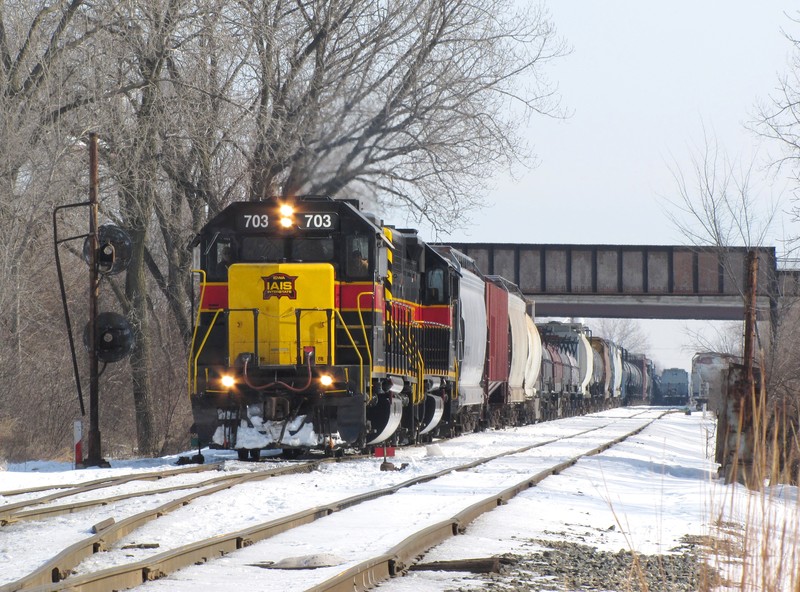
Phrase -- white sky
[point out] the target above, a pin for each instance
(643, 81)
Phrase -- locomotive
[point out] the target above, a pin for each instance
(319, 327)
(709, 378)
(674, 387)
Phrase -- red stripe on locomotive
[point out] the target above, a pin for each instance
(368, 296)
(439, 314)
(215, 296)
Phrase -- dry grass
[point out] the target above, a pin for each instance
(755, 543)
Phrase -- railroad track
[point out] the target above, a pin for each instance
(108, 531)
(357, 575)
(31, 508)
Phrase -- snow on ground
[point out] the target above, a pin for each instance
(646, 494)
(650, 494)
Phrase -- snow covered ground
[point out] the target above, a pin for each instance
(652, 494)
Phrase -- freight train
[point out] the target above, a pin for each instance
(319, 327)
(673, 388)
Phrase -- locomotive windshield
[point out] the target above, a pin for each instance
(263, 249)
(311, 249)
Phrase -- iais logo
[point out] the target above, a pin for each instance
(278, 285)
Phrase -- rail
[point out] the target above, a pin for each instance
(359, 577)
(51, 573)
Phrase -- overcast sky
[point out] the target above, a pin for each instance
(643, 81)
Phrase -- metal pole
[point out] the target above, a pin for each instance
(94, 456)
(750, 316)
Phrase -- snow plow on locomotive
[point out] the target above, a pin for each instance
(318, 327)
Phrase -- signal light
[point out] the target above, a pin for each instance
(113, 337)
(114, 251)
(106, 255)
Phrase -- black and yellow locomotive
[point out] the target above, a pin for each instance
(319, 328)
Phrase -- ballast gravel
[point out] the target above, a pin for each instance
(566, 566)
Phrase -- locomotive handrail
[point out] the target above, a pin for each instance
(256, 312)
(192, 369)
(191, 378)
(297, 313)
(200, 349)
(400, 326)
(420, 378)
(364, 331)
(358, 353)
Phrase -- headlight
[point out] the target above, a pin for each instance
(286, 210)
(227, 380)
(286, 222)
(326, 380)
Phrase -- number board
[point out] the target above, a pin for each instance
(254, 221)
(302, 220)
(317, 220)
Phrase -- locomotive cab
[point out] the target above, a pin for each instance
(290, 309)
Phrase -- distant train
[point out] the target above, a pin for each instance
(673, 388)
(709, 375)
(319, 327)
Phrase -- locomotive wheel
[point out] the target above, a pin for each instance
(292, 453)
(248, 453)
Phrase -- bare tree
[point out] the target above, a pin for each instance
(718, 203)
(726, 339)
(625, 332)
(407, 102)
(200, 102)
(40, 43)
(778, 117)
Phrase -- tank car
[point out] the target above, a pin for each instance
(610, 385)
(632, 378)
(571, 340)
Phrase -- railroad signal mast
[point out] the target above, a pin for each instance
(108, 337)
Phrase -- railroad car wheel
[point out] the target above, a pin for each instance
(248, 453)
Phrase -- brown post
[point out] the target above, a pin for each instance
(742, 407)
(94, 457)
(750, 315)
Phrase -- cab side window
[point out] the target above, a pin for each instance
(219, 257)
(434, 286)
(357, 257)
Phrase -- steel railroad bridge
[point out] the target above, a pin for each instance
(628, 281)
